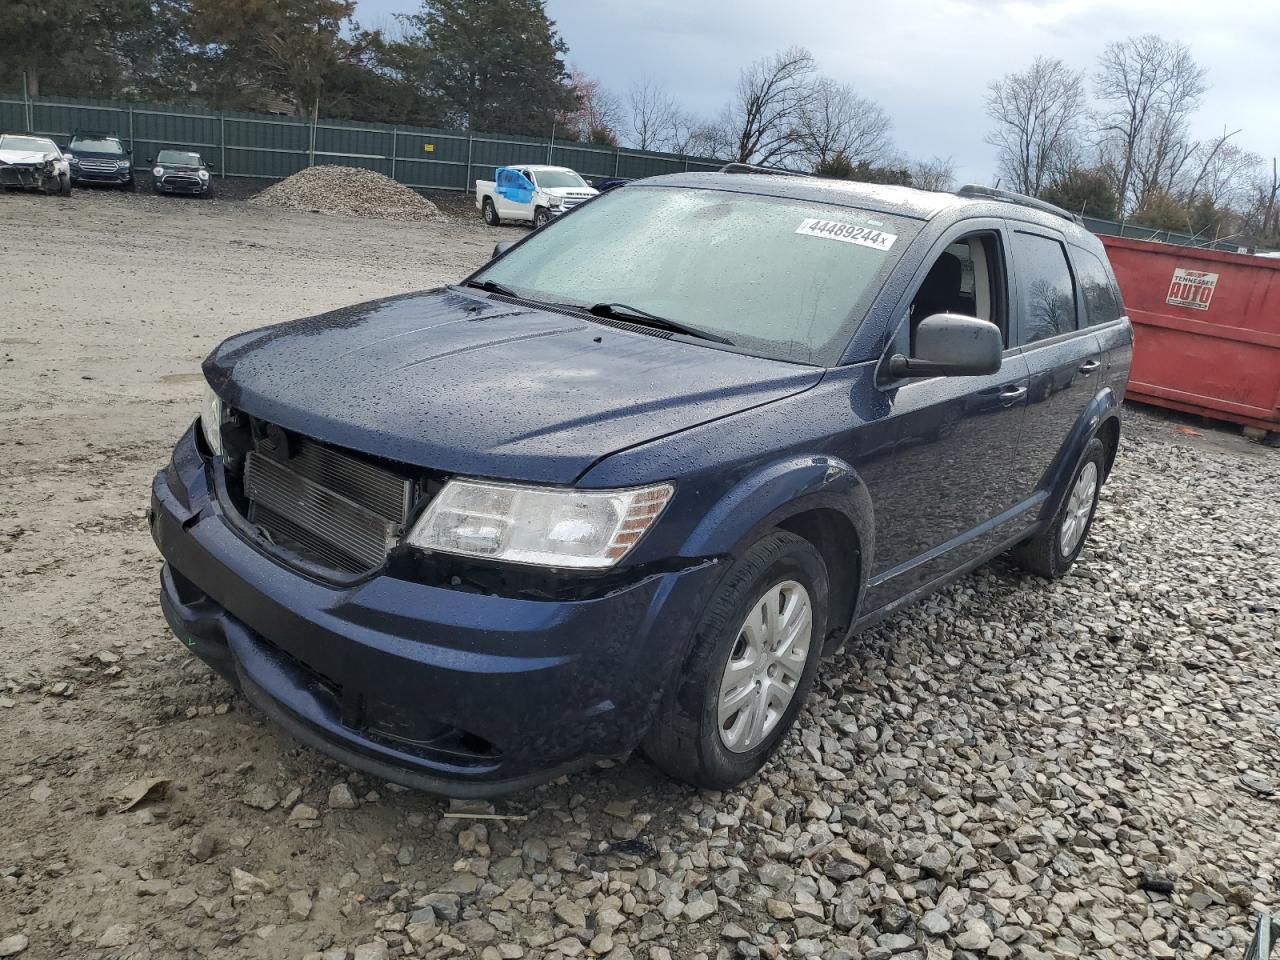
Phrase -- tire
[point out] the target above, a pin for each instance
(64, 184)
(540, 218)
(688, 740)
(490, 213)
(1047, 553)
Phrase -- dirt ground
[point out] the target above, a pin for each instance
(108, 303)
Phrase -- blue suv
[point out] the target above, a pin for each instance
(627, 484)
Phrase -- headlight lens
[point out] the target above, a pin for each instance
(158, 172)
(555, 203)
(203, 174)
(549, 527)
(212, 414)
(125, 164)
(75, 161)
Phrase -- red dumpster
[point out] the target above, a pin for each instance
(1206, 329)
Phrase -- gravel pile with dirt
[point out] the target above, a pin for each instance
(1011, 769)
(351, 192)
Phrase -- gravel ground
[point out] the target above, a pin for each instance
(1013, 768)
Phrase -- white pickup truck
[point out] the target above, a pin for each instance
(532, 192)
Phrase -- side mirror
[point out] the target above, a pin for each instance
(951, 345)
(500, 248)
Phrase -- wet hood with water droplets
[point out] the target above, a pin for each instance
(467, 385)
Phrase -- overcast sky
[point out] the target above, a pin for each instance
(926, 61)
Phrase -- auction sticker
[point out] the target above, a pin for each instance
(1191, 288)
(847, 233)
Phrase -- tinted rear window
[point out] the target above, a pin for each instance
(1045, 289)
(1099, 295)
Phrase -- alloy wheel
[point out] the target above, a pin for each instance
(1079, 506)
(765, 666)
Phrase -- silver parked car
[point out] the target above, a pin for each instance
(29, 162)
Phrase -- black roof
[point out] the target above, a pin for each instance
(882, 198)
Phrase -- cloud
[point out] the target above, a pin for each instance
(927, 61)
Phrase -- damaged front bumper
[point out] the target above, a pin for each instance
(455, 692)
(29, 176)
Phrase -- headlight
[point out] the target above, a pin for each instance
(158, 172)
(212, 413)
(555, 203)
(75, 161)
(549, 527)
(124, 164)
(203, 174)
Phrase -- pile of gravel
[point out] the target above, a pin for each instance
(349, 191)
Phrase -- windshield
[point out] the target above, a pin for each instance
(786, 279)
(91, 145)
(178, 156)
(34, 144)
(558, 178)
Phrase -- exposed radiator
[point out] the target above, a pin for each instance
(328, 506)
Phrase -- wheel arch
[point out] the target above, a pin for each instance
(819, 498)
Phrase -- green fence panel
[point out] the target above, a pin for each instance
(272, 146)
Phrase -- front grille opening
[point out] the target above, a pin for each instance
(306, 501)
(449, 745)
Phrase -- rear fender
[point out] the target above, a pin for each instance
(1104, 406)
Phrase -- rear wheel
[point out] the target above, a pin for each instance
(490, 212)
(751, 665)
(1052, 551)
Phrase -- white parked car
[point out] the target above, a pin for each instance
(533, 192)
(33, 163)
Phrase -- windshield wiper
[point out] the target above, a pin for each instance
(491, 286)
(622, 311)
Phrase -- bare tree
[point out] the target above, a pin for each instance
(654, 115)
(936, 173)
(709, 138)
(1037, 114)
(765, 115)
(1150, 86)
(598, 114)
(1224, 173)
(837, 122)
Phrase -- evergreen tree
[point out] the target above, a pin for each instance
(489, 65)
(1086, 192)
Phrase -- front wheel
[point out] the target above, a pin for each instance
(490, 212)
(64, 185)
(752, 662)
(1052, 551)
(541, 218)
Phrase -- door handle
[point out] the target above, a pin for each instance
(1012, 394)
(1089, 366)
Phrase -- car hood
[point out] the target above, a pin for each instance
(579, 193)
(25, 157)
(468, 385)
(96, 154)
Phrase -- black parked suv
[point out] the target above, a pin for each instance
(470, 538)
(180, 171)
(100, 158)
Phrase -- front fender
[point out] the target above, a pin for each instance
(783, 489)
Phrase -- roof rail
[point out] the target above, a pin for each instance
(978, 191)
(756, 168)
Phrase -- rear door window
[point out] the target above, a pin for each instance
(1046, 290)
(1100, 303)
